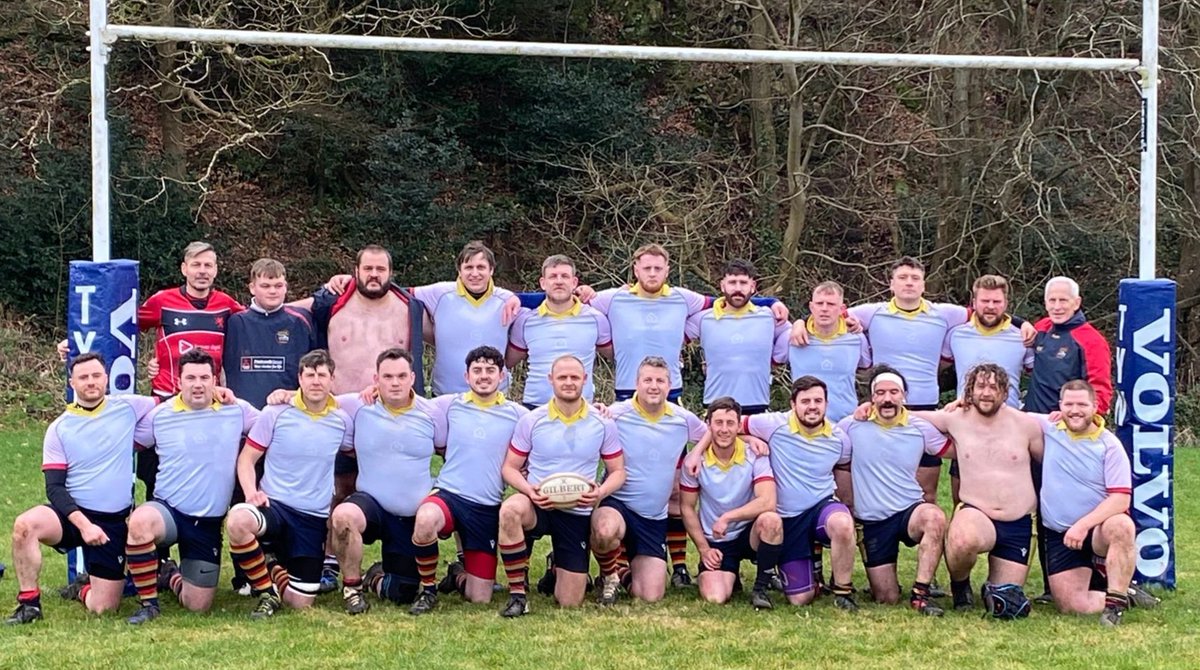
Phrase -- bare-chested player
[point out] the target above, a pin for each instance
(994, 444)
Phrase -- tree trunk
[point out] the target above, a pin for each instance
(760, 85)
(170, 118)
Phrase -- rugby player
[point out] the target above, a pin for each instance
(1091, 551)
(394, 441)
(989, 336)
(805, 448)
(740, 341)
(560, 325)
(290, 510)
(832, 354)
(735, 493)
(629, 529)
(565, 435)
(197, 440)
(466, 499)
(994, 444)
(886, 452)
(87, 456)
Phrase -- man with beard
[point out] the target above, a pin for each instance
(989, 336)
(740, 342)
(805, 449)
(560, 325)
(995, 445)
(629, 529)
(565, 435)
(885, 451)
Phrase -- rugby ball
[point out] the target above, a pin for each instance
(565, 488)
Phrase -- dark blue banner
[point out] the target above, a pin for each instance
(102, 316)
(1145, 418)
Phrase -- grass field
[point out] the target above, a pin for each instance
(678, 633)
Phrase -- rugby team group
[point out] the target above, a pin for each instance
(303, 430)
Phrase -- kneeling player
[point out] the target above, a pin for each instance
(86, 457)
(1090, 537)
(565, 435)
(886, 452)
(631, 524)
(480, 426)
(735, 491)
(290, 511)
(197, 441)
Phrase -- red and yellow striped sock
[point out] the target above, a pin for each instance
(250, 558)
(677, 542)
(427, 562)
(142, 561)
(279, 577)
(609, 561)
(516, 562)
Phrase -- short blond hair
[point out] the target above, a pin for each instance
(990, 283)
(195, 249)
(829, 287)
(267, 268)
(651, 249)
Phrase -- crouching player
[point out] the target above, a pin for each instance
(87, 458)
(735, 492)
(299, 441)
(1089, 535)
(197, 440)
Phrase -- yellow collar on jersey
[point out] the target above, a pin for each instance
(400, 411)
(180, 406)
(474, 399)
(461, 288)
(330, 405)
(576, 307)
(894, 308)
(811, 327)
(652, 418)
(1090, 434)
(719, 309)
(826, 429)
(74, 408)
(984, 330)
(900, 420)
(556, 414)
(662, 292)
(739, 456)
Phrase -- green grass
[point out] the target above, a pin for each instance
(678, 634)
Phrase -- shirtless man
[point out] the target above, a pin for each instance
(994, 444)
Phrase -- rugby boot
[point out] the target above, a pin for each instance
(963, 598)
(1111, 617)
(1139, 597)
(354, 600)
(518, 605)
(760, 600)
(610, 587)
(925, 607)
(25, 613)
(71, 591)
(680, 578)
(373, 576)
(449, 583)
(144, 614)
(424, 604)
(268, 604)
(549, 580)
(165, 568)
(936, 590)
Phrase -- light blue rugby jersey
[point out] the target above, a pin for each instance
(554, 442)
(653, 447)
(300, 449)
(803, 462)
(394, 449)
(970, 344)
(911, 342)
(477, 439)
(884, 460)
(1079, 472)
(739, 348)
(95, 447)
(545, 336)
(834, 360)
(460, 324)
(726, 487)
(197, 453)
(647, 326)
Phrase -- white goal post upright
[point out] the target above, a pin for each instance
(1142, 389)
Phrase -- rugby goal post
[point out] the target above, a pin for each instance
(1146, 334)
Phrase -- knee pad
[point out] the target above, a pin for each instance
(260, 520)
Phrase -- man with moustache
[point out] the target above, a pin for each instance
(832, 354)
(565, 435)
(740, 341)
(994, 444)
(560, 325)
(885, 453)
(629, 529)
